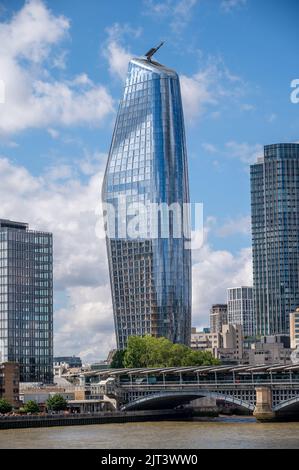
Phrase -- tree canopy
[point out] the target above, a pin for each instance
(148, 351)
(56, 403)
(31, 407)
(118, 359)
(5, 406)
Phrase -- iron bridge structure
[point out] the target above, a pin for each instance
(266, 390)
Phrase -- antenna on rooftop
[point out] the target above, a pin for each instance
(153, 51)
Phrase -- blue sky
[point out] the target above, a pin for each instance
(63, 63)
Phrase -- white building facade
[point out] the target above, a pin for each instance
(240, 309)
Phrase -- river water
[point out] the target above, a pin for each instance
(219, 433)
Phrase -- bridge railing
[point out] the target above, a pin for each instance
(207, 384)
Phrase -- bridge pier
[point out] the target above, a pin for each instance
(263, 410)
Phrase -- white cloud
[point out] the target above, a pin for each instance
(33, 98)
(91, 162)
(31, 32)
(239, 225)
(118, 59)
(209, 148)
(69, 104)
(86, 324)
(245, 152)
(182, 13)
(197, 93)
(59, 60)
(247, 107)
(178, 11)
(54, 133)
(116, 53)
(156, 7)
(230, 226)
(60, 172)
(229, 5)
(211, 86)
(213, 272)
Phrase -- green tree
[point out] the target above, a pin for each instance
(5, 406)
(118, 360)
(31, 407)
(148, 351)
(56, 403)
(199, 358)
(177, 355)
(159, 351)
(135, 355)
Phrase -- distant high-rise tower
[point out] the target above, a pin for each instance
(294, 329)
(275, 237)
(26, 300)
(240, 309)
(218, 317)
(147, 165)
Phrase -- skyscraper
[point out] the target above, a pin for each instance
(240, 308)
(275, 237)
(150, 272)
(218, 317)
(26, 300)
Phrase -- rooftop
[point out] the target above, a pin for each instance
(153, 66)
(5, 223)
(267, 368)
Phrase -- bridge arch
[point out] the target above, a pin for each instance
(166, 400)
(288, 405)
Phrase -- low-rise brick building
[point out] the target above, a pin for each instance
(9, 382)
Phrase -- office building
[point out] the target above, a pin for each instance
(240, 308)
(227, 345)
(294, 329)
(273, 349)
(218, 317)
(26, 300)
(204, 341)
(9, 382)
(150, 269)
(69, 361)
(275, 237)
(231, 342)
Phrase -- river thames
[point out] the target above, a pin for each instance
(230, 433)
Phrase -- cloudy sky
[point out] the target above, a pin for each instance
(63, 63)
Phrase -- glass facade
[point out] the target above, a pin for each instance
(147, 165)
(275, 237)
(26, 301)
(240, 309)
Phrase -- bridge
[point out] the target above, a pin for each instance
(267, 391)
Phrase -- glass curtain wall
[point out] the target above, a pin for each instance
(150, 271)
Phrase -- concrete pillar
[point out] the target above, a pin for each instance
(263, 409)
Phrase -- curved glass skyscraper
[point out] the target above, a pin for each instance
(145, 192)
